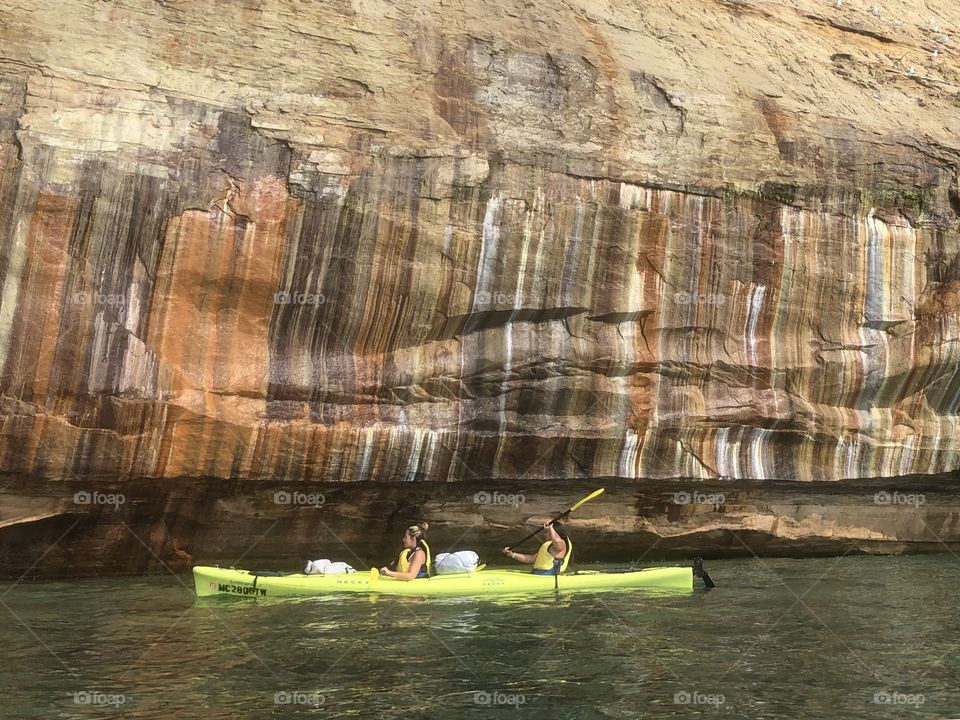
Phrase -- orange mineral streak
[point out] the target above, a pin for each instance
(216, 287)
(41, 310)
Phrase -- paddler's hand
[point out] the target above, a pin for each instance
(384, 570)
(507, 551)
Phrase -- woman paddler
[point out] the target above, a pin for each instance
(553, 556)
(414, 561)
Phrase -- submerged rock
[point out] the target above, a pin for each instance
(450, 244)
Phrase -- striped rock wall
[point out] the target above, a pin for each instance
(456, 241)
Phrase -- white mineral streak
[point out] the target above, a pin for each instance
(363, 468)
(424, 443)
(754, 305)
(11, 285)
(487, 271)
(627, 463)
(528, 220)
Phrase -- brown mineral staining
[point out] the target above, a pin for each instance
(448, 244)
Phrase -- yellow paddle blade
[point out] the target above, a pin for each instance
(374, 575)
(591, 496)
(480, 567)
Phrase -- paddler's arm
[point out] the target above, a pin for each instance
(519, 557)
(557, 543)
(416, 563)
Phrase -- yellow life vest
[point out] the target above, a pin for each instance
(544, 560)
(403, 562)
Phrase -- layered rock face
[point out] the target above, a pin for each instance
(461, 242)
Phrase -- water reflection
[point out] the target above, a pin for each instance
(610, 654)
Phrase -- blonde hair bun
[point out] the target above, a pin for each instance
(418, 530)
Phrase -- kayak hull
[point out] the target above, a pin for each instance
(243, 583)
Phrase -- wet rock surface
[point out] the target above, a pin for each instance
(147, 527)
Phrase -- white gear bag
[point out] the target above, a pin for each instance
(463, 561)
(326, 567)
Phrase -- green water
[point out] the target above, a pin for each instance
(819, 638)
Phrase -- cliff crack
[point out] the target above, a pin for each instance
(658, 96)
(478, 321)
(223, 204)
(686, 447)
(853, 29)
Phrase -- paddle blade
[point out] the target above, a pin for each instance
(480, 567)
(589, 497)
(374, 575)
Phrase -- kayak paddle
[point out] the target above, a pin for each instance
(562, 515)
(700, 572)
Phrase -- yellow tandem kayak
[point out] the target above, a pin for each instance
(228, 581)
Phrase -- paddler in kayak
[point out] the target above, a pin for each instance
(414, 561)
(553, 556)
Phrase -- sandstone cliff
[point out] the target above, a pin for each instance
(354, 242)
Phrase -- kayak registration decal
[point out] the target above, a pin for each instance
(347, 580)
(241, 590)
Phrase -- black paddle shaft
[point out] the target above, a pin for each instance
(561, 516)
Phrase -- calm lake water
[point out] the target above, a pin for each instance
(818, 638)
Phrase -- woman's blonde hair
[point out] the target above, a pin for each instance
(418, 531)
